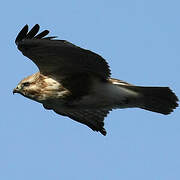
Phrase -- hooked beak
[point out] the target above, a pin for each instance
(15, 90)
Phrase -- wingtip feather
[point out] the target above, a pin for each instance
(22, 34)
(32, 34)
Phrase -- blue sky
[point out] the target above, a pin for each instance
(141, 41)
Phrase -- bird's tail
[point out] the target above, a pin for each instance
(157, 99)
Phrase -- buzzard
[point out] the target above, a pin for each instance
(76, 82)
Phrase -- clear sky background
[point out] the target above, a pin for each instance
(140, 39)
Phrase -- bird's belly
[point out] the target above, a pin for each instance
(103, 96)
(108, 95)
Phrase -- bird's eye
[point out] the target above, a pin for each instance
(25, 84)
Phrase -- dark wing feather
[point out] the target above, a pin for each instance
(22, 34)
(59, 57)
(33, 32)
(42, 34)
(94, 119)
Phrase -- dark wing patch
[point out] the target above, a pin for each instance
(33, 32)
(92, 118)
(24, 34)
(59, 57)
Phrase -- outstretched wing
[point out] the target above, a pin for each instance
(59, 58)
(92, 118)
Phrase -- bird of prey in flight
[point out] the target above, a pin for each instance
(76, 82)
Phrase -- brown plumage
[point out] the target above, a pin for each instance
(76, 82)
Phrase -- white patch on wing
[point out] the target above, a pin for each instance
(119, 83)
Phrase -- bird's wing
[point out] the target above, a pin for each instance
(59, 58)
(92, 118)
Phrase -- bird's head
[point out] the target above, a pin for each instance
(40, 88)
(29, 87)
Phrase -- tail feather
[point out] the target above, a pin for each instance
(158, 99)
